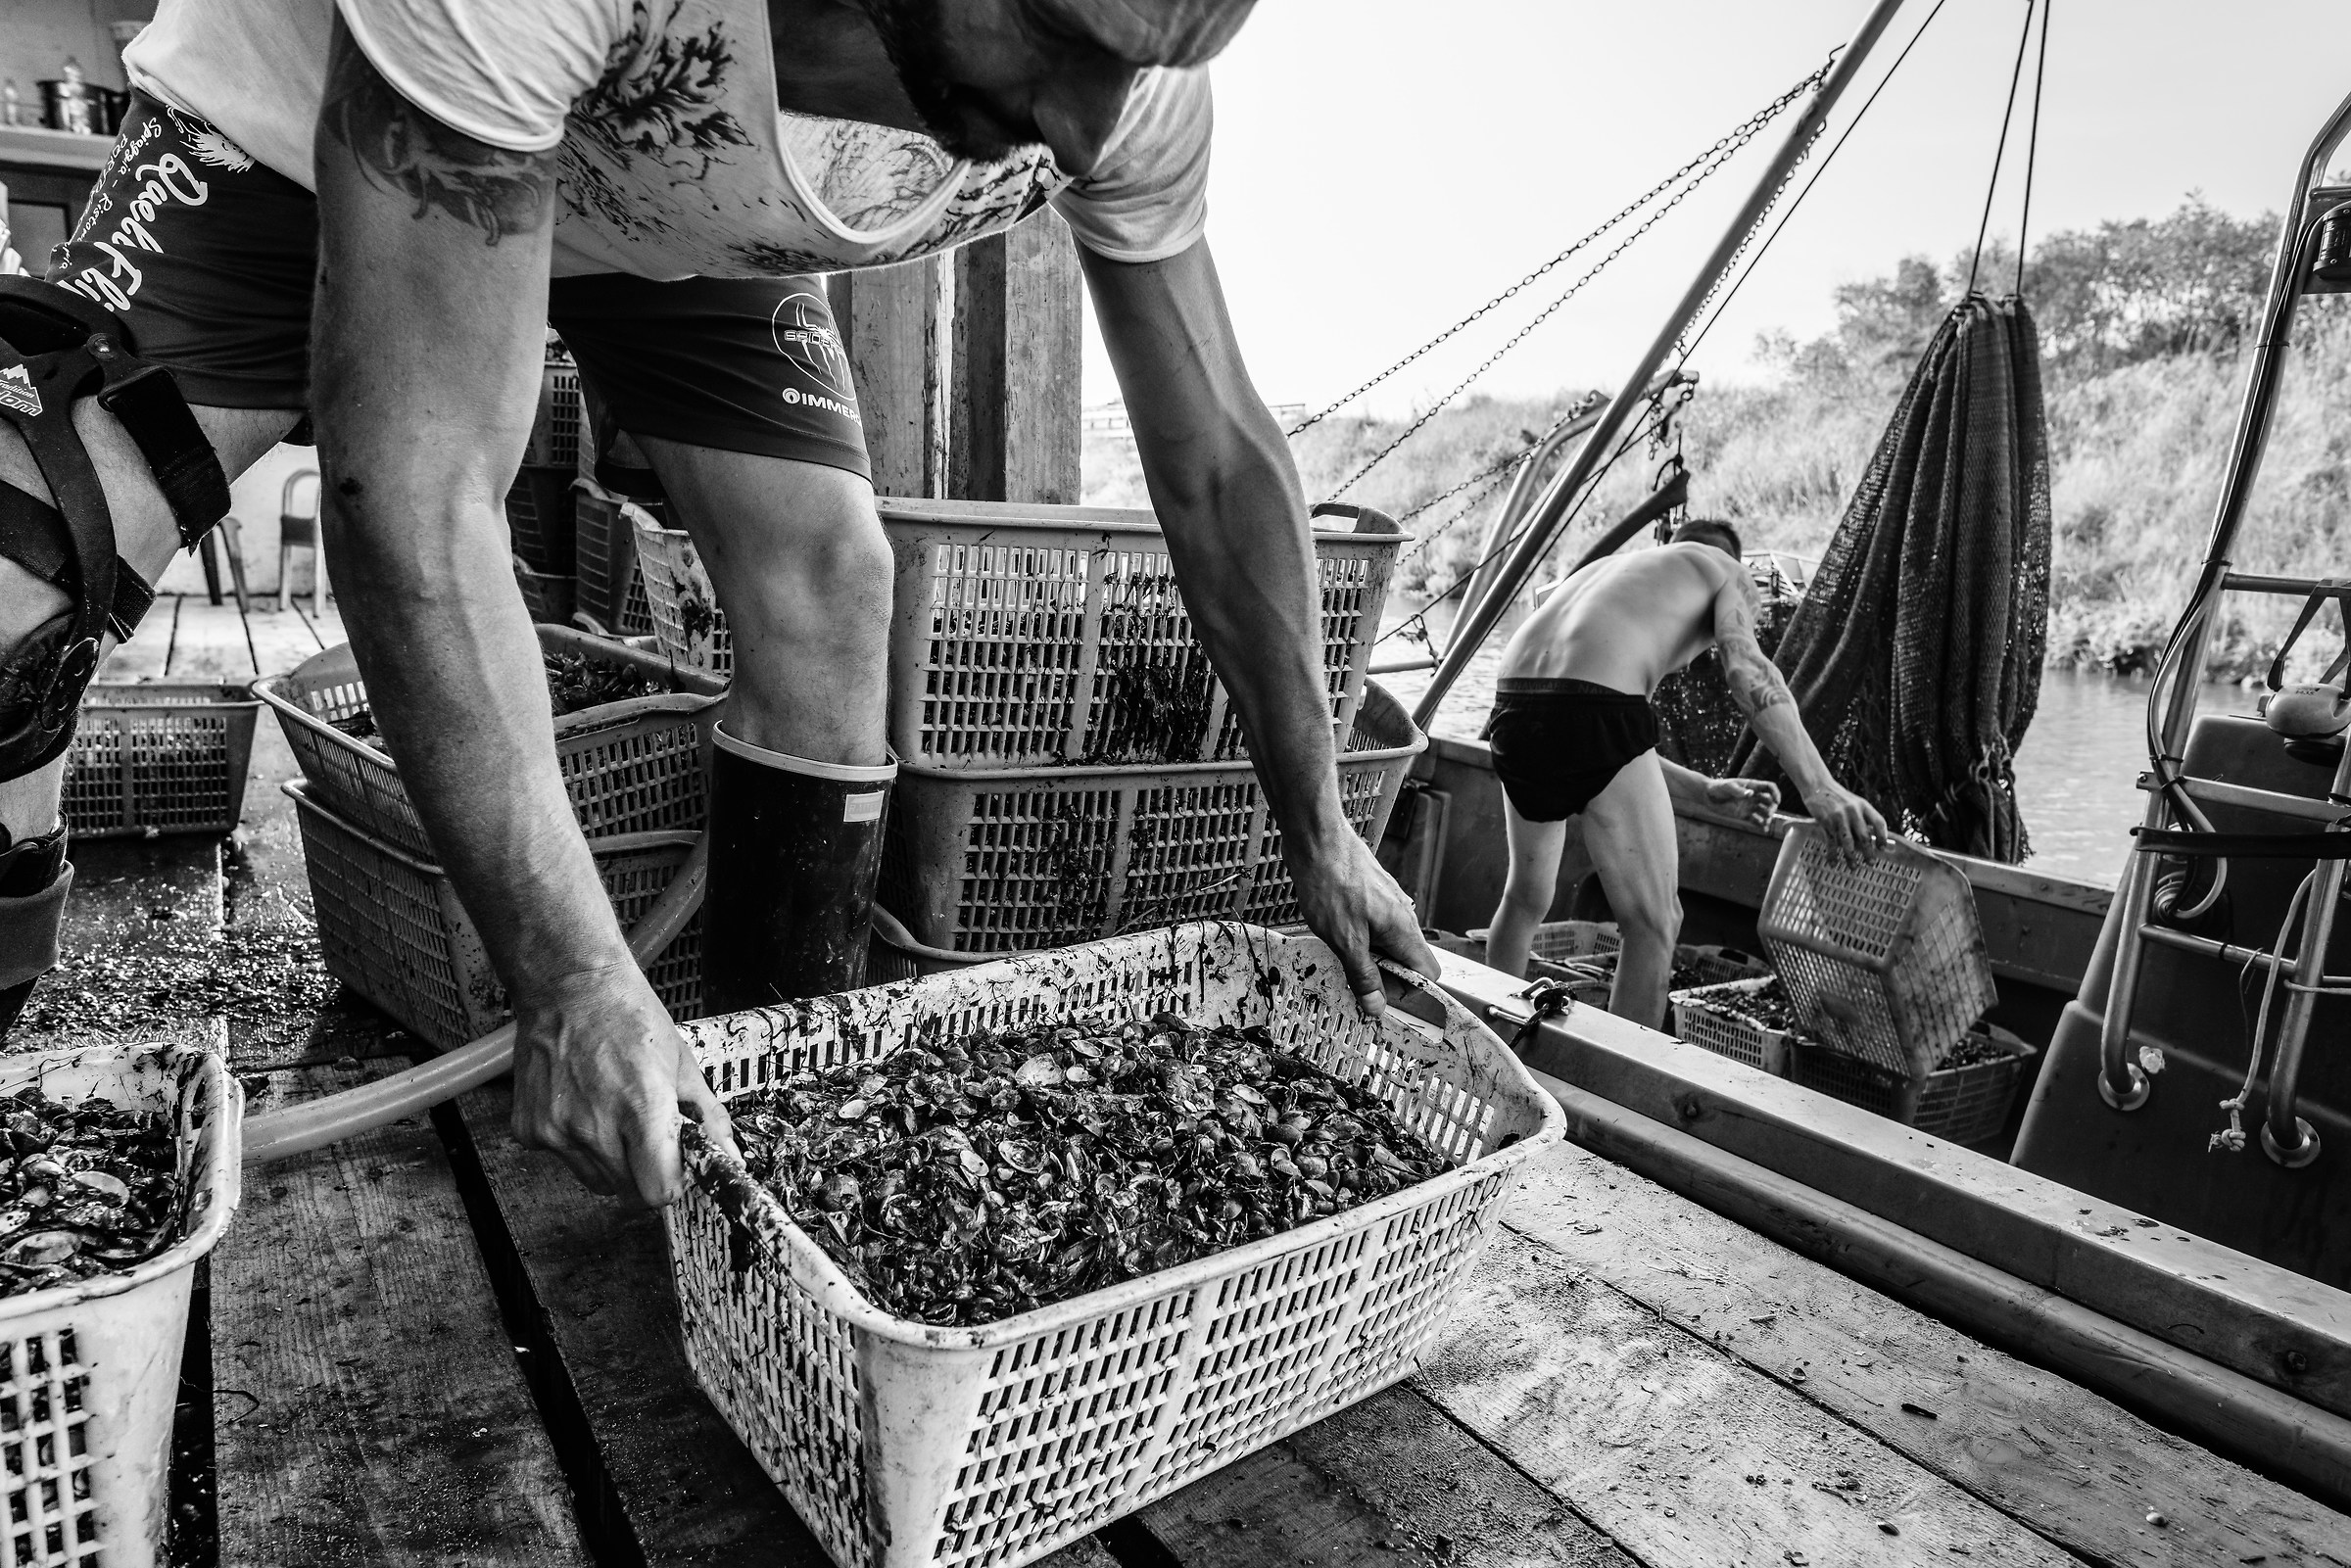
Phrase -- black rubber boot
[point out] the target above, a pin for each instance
(34, 878)
(795, 848)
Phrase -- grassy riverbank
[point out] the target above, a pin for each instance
(2144, 327)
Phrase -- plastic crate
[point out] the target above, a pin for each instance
(1583, 953)
(1012, 860)
(549, 598)
(1697, 1020)
(1023, 635)
(611, 591)
(541, 518)
(1884, 958)
(555, 430)
(903, 1445)
(159, 756)
(1963, 1105)
(89, 1372)
(391, 927)
(687, 623)
(631, 767)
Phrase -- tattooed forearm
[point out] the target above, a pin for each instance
(1755, 685)
(403, 149)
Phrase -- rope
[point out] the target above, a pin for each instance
(1745, 129)
(2041, 75)
(1818, 169)
(1993, 187)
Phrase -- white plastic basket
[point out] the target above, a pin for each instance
(1700, 1018)
(902, 1445)
(688, 624)
(89, 1372)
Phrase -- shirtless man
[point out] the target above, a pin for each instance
(371, 209)
(1573, 732)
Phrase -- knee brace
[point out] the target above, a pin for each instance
(56, 348)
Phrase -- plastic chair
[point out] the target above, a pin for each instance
(299, 529)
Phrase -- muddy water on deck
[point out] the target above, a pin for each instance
(2076, 774)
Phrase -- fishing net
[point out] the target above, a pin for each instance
(1915, 657)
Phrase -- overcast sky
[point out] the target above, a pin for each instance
(1384, 165)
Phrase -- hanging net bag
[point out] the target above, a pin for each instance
(1915, 657)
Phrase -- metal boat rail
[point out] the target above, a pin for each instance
(2123, 1085)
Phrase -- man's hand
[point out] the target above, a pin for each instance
(1753, 799)
(1851, 822)
(600, 1075)
(1355, 906)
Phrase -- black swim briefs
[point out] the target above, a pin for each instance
(209, 257)
(1558, 743)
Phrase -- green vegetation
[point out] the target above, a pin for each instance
(2144, 330)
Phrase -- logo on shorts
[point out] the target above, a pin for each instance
(18, 392)
(806, 338)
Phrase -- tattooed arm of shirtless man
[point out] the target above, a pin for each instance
(1851, 822)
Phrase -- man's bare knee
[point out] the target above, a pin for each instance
(827, 585)
(1648, 918)
(1527, 898)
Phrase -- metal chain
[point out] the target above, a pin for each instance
(1684, 345)
(1714, 162)
(1743, 133)
(1508, 461)
(1416, 624)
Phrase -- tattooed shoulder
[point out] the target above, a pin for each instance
(400, 148)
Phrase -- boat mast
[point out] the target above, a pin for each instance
(1551, 511)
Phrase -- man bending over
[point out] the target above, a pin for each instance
(1573, 732)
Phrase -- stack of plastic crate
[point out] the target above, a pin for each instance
(540, 506)
(389, 920)
(1069, 766)
(611, 590)
(1886, 972)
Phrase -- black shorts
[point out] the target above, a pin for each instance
(210, 257)
(1559, 742)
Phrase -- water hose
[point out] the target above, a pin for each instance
(315, 1124)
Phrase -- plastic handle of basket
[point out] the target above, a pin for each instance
(315, 1124)
(1413, 996)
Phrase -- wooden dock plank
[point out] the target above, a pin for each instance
(2073, 1466)
(1392, 1480)
(281, 639)
(1677, 1450)
(210, 644)
(133, 901)
(370, 1408)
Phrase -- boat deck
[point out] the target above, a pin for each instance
(430, 1346)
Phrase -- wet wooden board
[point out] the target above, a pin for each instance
(281, 639)
(2070, 1465)
(1392, 1480)
(1679, 1451)
(2253, 1317)
(130, 896)
(208, 642)
(368, 1408)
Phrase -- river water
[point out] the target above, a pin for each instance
(2076, 774)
